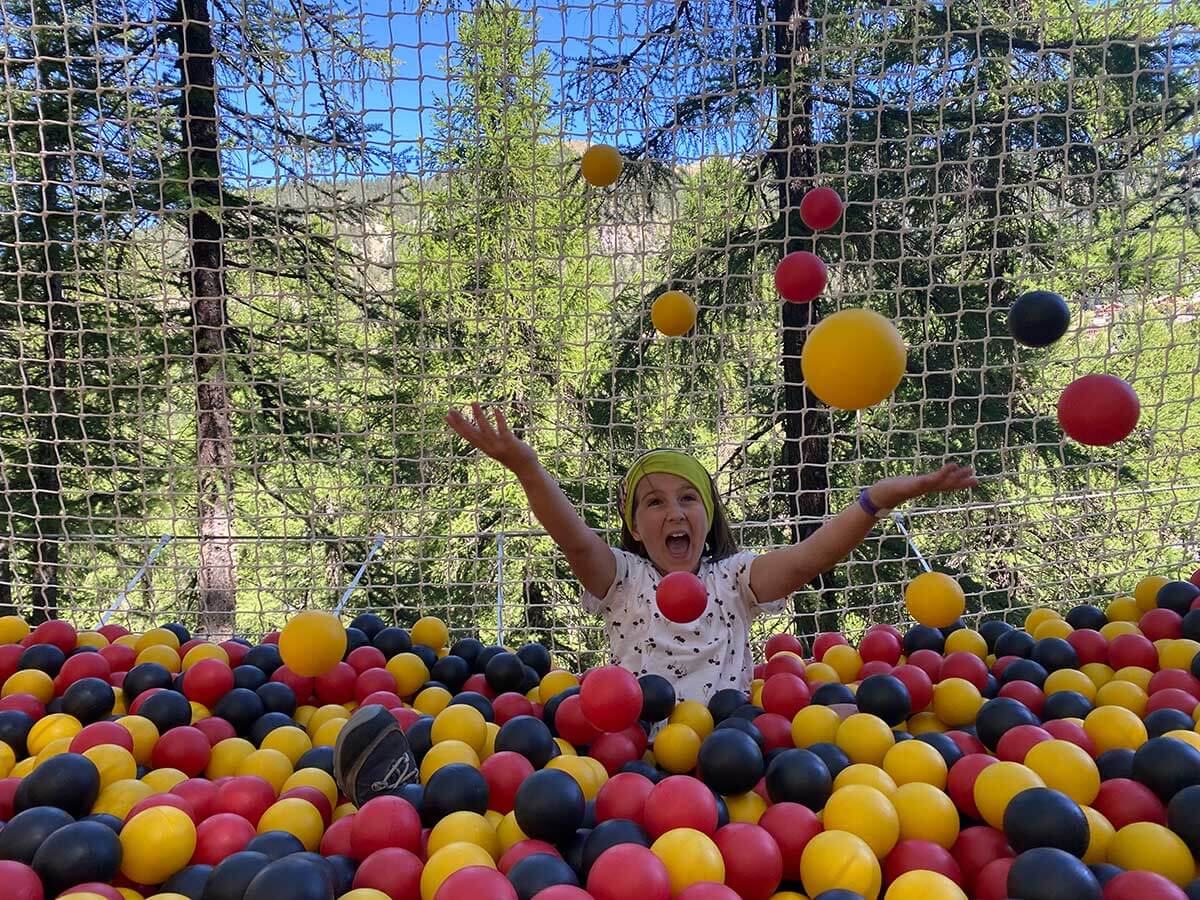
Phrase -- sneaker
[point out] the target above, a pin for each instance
(371, 756)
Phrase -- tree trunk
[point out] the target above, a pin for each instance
(217, 576)
(7, 608)
(805, 453)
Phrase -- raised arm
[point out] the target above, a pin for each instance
(589, 557)
(780, 572)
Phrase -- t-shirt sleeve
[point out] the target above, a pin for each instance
(743, 562)
(615, 599)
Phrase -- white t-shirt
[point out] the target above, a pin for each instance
(699, 658)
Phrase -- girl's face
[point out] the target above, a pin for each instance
(670, 521)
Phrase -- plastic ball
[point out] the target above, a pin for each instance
(1047, 873)
(475, 882)
(690, 856)
(677, 748)
(446, 862)
(922, 884)
(673, 314)
(611, 698)
(820, 208)
(730, 761)
(1098, 410)
(548, 805)
(925, 814)
(799, 776)
(312, 643)
(853, 359)
(394, 871)
(1038, 318)
(629, 870)
(1154, 848)
(1141, 885)
(865, 738)
(915, 761)
(601, 165)
(156, 844)
(1042, 817)
(865, 812)
(69, 781)
(934, 599)
(74, 854)
(1123, 801)
(997, 785)
(800, 277)
(837, 859)
(680, 802)
(1113, 727)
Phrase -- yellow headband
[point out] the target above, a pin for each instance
(673, 462)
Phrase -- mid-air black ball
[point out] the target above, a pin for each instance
(799, 776)
(1038, 318)
(549, 804)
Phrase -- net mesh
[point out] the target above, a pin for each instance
(251, 251)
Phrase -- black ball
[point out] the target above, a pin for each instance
(1066, 705)
(548, 805)
(1167, 719)
(232, 875)
(1047, 873)
(536, 657)
(28, 830)
(415, 795)
(467, 648)
(530, 737)
(899, 737)
(942, 744)
(277, 697)
(1043, 817)
(275, 844)
(452, 671)
(293, 878)
(991, 689)
(658, 697)
(643, 768)
(550, 709)
(722, 811)
(89, 700)
(747, 711)
(251, 678)
(43, 657)
(69, 781)
(1166, 766)
(832, 755)
(1115, 764)
(14, 730)
(722, 704)
(1183, 816)
(1054, 654)
(425, 654)
(923, 637)
(1024, 670)
(997, 716)
(189, 882)
(323, 864)
(266, 723)
(317, 758)
(571, 848)
(179, 630)
(1105, 872)
(420, 737)
(142, 678)
(369, 624)
(884, 696)
(956, 625)
(730, 761)
(344, 869)
(486, 655)
(745, 726)
(1192, 889)
(1191, 628)
(538, 871)
(609, 834)
(169, 710)
(1177, 596)
(831, 693)
(1038, 318)
(1014, 643)
(265, 657)
(454, 788)
(531, 679)
(838, 894)
(392, 641)
(481, 703)
(799, 776)
(240, 708)
(991, 630)
(1087, 616)
(505, 672)
(110, 822)
(75, 854)
(354, 640)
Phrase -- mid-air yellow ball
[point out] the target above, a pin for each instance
(673, 313)
(601, 165)
(853, 359)
(934, 599)
(312, 643)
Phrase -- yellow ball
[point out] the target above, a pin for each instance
(1065, 767)
(996, 785)
(1054, 628)
(156, 843)
(1039, 616)
(327, 734)
(1123, 694)
(694, 715)
(922, 884)
(1138, 675)
(1146, 592)
(29, 681)
(934, 599)
(911, 761)
(364, 894)
(1098, 673)
(926, 722)
(508, 832)
(564, 747)
(49, 728)
(577, 767)
(346, 809)
(431, 632)
(555, 682)
(956, 701)
(56, 747)
(865, 812)
(1188, 737)
(119, 797)
(673, 313)
(162, 780)
(157, 637)
(323, 715)
(690, 856)
(23, 768)
(202, 652)
(269, 765)
(432, 700)
(1145, 845)
(296, 817)
(815, 724)
(1114, 727)
(489, 740)
(966, 640)
(447, 861)
(853, 359)
(410, 673)
(199, 711)
(844, 660)
(821, 673)
(290, 741)
(8, 759)
(865, 738)
(83, 895)
(445, 754)
(315, 778)
(1178, 654)
(128, 640)
(676, 748)
(1100, 835)
(601, 165)
(89, 639)
(460, 723)
(312, 643)
(838, 859)
(871, 776)
(1070, 680)
(1122, 609)
(747, 807)
(165, 656)
(926, 814)
(468, 827)
(226, 756)
(303, 715)
(13, 629)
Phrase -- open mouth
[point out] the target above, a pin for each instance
(679, 544)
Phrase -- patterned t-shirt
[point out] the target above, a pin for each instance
(699, 658)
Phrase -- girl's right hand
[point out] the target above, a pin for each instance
(497, 441)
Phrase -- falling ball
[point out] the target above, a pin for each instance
(312, 643)
(601, 165)
(1038, 318)
(681, 597)
(853, 359)
(934, 599)
(820, 208)
(801, 276)
(1098, 410)
(673, 313)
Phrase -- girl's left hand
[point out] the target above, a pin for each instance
(891, 492)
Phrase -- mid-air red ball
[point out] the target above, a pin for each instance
(1098, 410)
(681, 597)
(820, 208)
(801, 276)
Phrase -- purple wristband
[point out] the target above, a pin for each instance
(864, 500)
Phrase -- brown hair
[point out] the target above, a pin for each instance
(718, 543)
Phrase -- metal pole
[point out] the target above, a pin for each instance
(359, 574)
(500, 588)
(133, 582)
(898, 518)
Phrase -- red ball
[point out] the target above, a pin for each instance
(200, 793)
(977, 846)
(919, 684)
(882, 646)
(1171, 698)
(629, 870)
(572, 725)
(336, 685)
(405, 716)
(1174, 678)
(783, 641)
(85, 665)
(1157, 624)
(220, 836)
(245, 795)
(1027, 694)
(928, 660)
(386, 699)
(8, 790)
(510, 705)
(908, 856)
(26, 703)
(142, 698)
(236, 652)
(314, 796)
(760, 670)
(119, 657)
(207, 682)
(874, 667)
(563, 892)
(1062, 730)
(1123, 801)
(302, 686)
(681, 597)
(107, 891)
(966, 666)
(1098, 410)
(824, 641)
(967, 743)
(101, 733)
(1132, 650)
(368, 657)
(785, 695)
(611, 698)
(1090, 646)
(504, 773)
(474, 882)
(1142, 885)
(20, 881)
(168, 799)
(385, 822)
(271, 637)
(215, 729)
(638, 735)
(776, 731)
(1003, 663)
(622, 797)
(373, 680)
(392, 870)
(1016, 742)
(792, 826)
(706, 890)
(820, 208)
(522, 849)
(680, 801)
(184, 748)
(992, 881)
(960, 784)
(613, 750)
(782, 662)
(113, 631)
(336, 839)
(57, 632)
(478, 684)
(10, 659)
(753, 861)
(801, 276)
